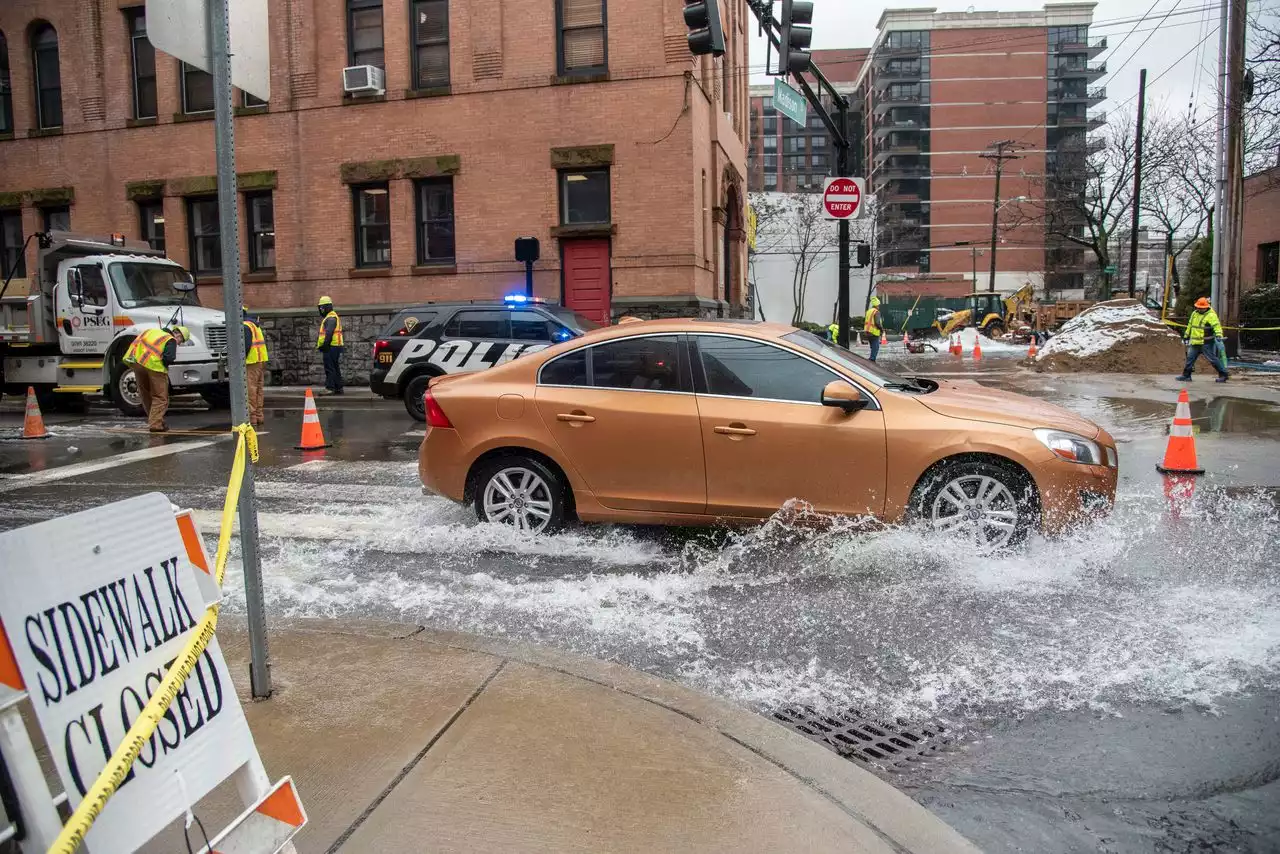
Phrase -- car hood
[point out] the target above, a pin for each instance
(972, 402)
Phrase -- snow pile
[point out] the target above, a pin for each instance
(1119, 336)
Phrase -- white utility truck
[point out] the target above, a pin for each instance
(89, 298)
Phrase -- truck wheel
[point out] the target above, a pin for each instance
(218, 398)
(124, 390)
(994, 329)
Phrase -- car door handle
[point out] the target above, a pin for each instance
(576, 417)
(735, 430)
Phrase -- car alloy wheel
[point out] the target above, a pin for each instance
(518, 496)
(978, 507)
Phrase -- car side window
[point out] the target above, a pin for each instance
(736, 367)
(479, 323)
(529, 326)
(641, 364)
(410, 324)
(569, 369)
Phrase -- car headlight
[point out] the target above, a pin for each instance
(1069, 446)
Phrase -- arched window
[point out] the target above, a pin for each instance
(6, 97)
(48, 79)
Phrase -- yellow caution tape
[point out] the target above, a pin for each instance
(1234, 328)
(73, 832)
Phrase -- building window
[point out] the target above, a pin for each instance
(818, 142)
(373, 225)
(261, 218)
(771, 180)
(11, 257)
(6, 95)
(151, 220)
(435, 221)
(204, 237)
(583, 42)
(584, 197)
(144, 66)
(770, 143)
(1268, 263)
(197, 90)
(57, 218)
(48, 79)
(364, 32)
(248, 100)
(430, 43)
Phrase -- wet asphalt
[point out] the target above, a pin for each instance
(1116, 689)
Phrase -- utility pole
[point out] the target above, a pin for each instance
(224, 135)
(1137, 186)
(1220, 188)
(1229, 308)
(1003, 150)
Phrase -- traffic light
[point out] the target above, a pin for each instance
(864, 254)
(706, 36)
(797, 16)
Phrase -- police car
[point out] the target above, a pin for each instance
(434, 339)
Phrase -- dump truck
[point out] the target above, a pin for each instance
(89, 297)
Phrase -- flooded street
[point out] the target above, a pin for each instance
(1113, 689)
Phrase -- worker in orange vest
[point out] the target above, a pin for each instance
(149, 356)
(255, 366)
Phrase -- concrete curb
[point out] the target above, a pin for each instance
(896, 817)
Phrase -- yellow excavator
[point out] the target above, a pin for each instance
(993, 313)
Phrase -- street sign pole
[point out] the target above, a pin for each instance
(844, 169)
(224, 133)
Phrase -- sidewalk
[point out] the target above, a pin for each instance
(402, 739)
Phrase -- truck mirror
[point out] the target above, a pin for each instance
(184, 286)
(75, 285)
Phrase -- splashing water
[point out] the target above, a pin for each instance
(898, 622)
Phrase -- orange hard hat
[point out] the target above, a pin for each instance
(1203, 302)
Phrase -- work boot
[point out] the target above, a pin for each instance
(1185, 379)
(161, 429)
(1223, 378)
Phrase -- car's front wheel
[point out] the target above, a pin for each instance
(993, 506)
(522, 492)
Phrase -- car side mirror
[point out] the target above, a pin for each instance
(184, 286)
(843, 396)
(75, 287)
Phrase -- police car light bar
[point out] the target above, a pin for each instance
(521, 299)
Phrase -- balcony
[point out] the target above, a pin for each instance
(886, 126)
(886, 100)
(1088, 146)
(891, 171)
(884, 51)
(897, 194)
(888, 73)
(896, 147)
(1092, 121)
(1091, 70)
(1092, 47)
(1090, 97)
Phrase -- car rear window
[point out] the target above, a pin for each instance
(641, 364)
(569, 369)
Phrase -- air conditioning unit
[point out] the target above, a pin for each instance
(363, 80)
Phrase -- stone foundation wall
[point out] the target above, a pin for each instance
(291, 334)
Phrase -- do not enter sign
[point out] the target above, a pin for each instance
(842, 197)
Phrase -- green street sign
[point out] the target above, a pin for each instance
(1110, 269)
(788, 101)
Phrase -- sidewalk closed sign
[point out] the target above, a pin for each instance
(95, 606)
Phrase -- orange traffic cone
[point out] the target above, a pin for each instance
(977, 348)
(1179, 489)
(33, 423)
(1180, 453)
(1031, 350)
(884, 338)
(312, 435)
(956, 349)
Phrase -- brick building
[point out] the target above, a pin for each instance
(1261, 238)
(935, 90)
(585, 123)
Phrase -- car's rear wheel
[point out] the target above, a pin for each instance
(993, 506)
(415, 391)
(522, 492)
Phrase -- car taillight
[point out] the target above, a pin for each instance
(435, 415)
(378, 347)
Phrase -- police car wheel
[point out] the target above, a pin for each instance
(414, 392)
(522, 492)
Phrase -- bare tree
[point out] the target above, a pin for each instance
(1178, 186)
(793, 224)
(771, 211)
(1262, 111)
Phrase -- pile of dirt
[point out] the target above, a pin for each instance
(1118, 336)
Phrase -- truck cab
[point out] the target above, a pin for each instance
(91, 298)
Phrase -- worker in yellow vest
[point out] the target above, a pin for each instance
(871, 324)
(329, 343)
(149, 357)
(255, 366)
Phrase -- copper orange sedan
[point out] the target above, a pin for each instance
(689, 422)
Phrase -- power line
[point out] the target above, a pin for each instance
(1139, 48)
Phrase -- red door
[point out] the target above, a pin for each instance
(585, 262)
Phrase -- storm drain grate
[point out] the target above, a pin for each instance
(855, 737)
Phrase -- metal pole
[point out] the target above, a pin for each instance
(995, 218)
(843, 169)
(1219, 152)
(1233, 233)
(1137, 186)
(39, 816)
(975, 268)
(228, 222)
(528, 278)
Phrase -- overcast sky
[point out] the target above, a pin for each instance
(1181, 49)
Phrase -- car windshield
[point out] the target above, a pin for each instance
(576, 322)
(864, 368)
(139, 285)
